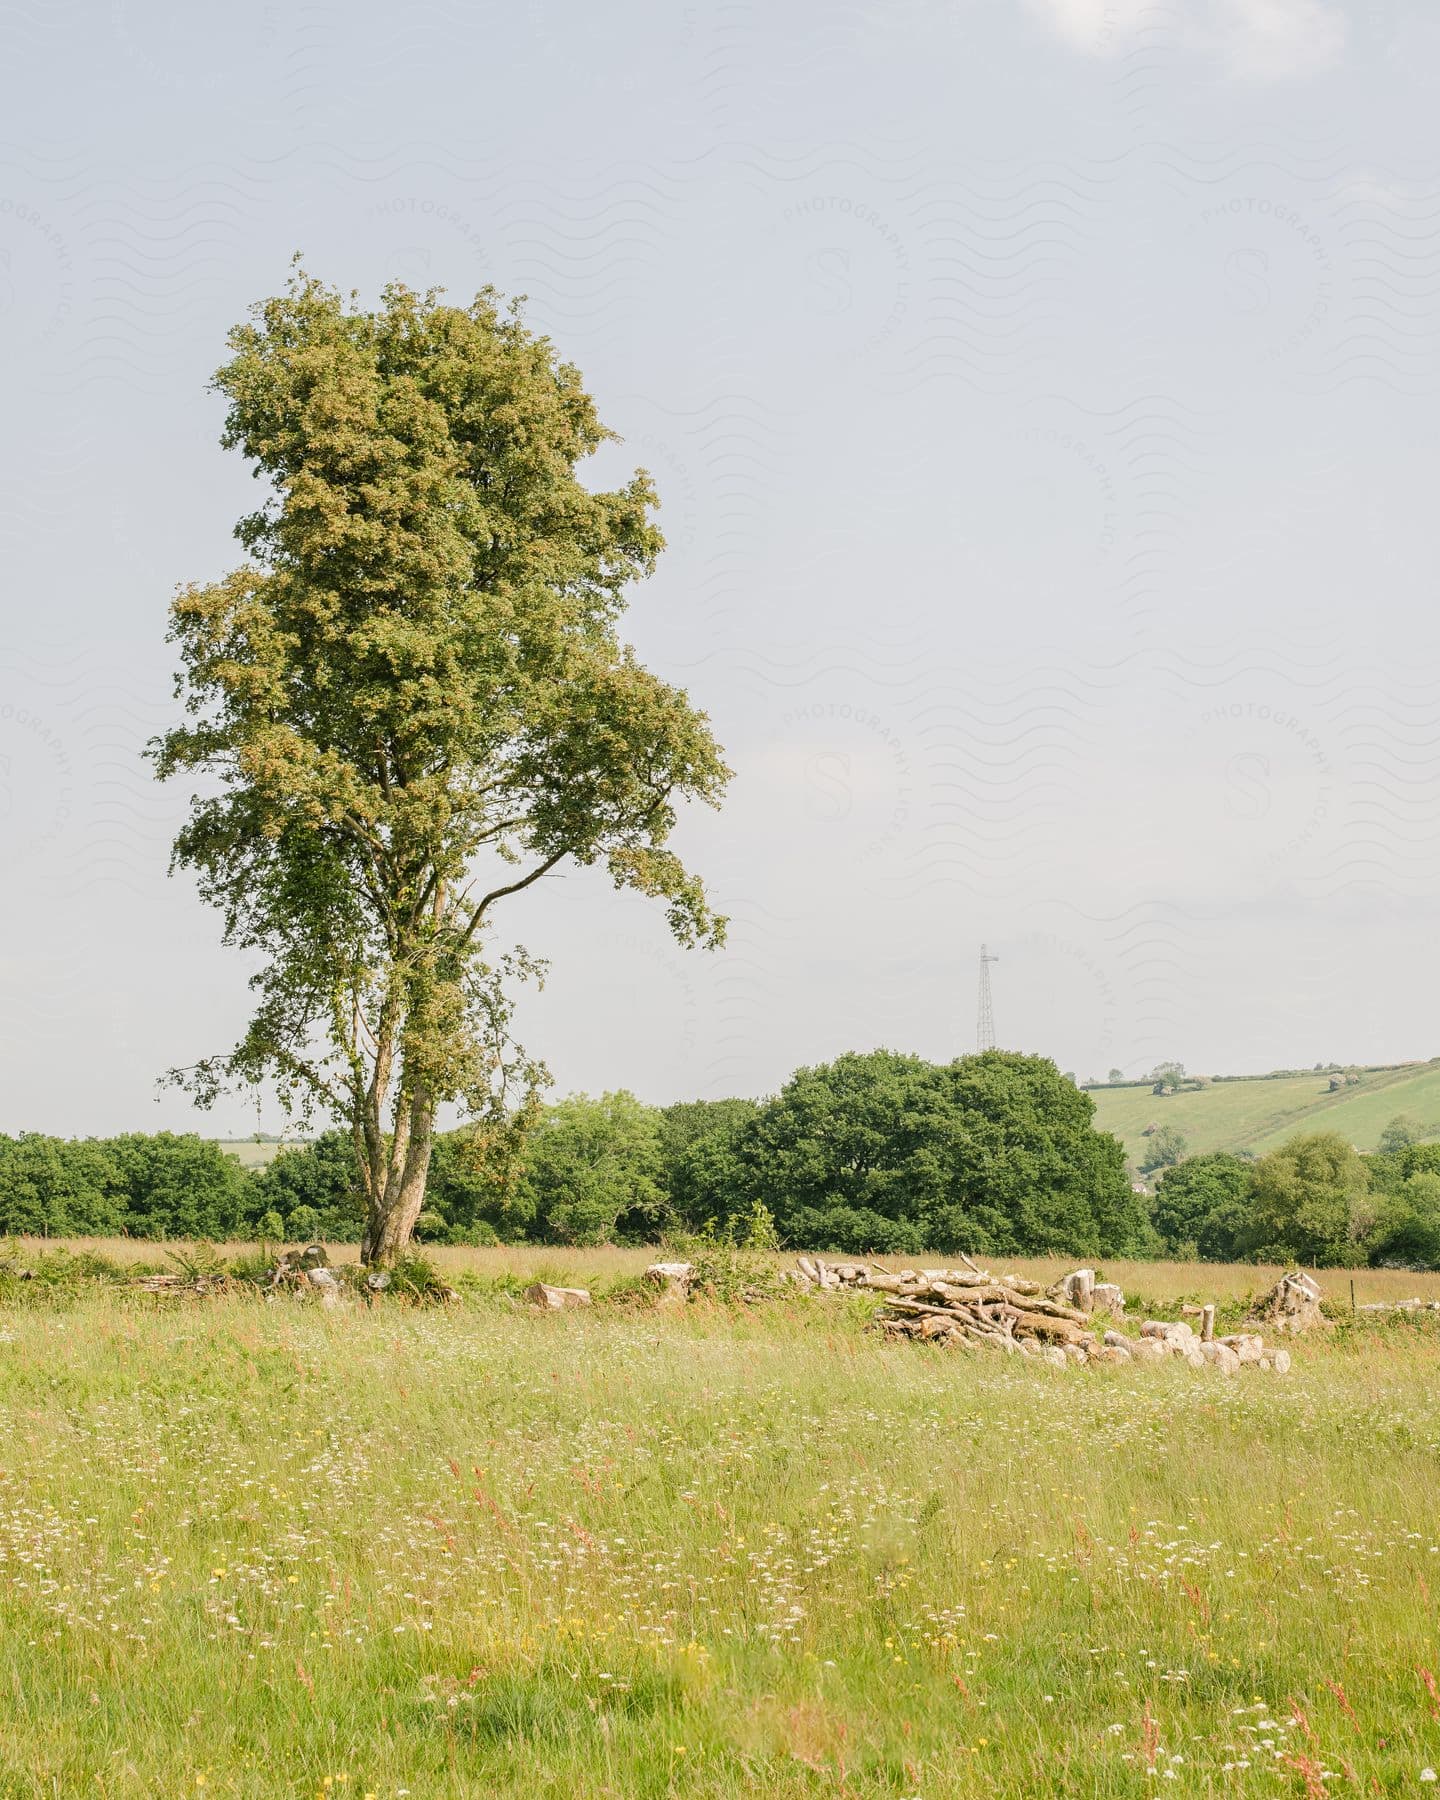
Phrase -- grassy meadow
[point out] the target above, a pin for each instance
(267, 1549)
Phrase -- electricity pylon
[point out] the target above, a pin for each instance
(985, 1022)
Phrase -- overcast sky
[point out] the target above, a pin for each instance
(1043, 399)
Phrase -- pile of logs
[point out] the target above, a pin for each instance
(970, 1308)
(165, 1283)
(305, 1271)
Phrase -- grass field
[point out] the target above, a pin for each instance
(1258, 1115)
(252, 1153)
(267, 1550)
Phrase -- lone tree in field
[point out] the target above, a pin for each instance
(412, 704)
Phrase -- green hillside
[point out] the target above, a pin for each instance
(1258, 1115)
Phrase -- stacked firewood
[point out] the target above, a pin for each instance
(156, 1282)
(970, 1309)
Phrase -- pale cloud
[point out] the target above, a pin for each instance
(1258, 40)
(1278, 40)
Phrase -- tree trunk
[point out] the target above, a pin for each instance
(396, 1198)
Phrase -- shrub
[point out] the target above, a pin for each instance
(304, 1225)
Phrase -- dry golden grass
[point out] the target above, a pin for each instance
(1161, 1282)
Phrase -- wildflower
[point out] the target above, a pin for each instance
(1429, 1775)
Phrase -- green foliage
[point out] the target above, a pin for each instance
(1399, 1134)
(1168, 1075)
(163, 1185)
(411, 703)
(1163, 1149)
(1406, 1232)
(1308, 1203)
(414, 1278)
(475, 1178)
(53, 1188)
(479, 1235)
(696, 1137)
(303, 1225)
(887, 1153)
(323, 1177)
(733, 1263)
(1204, 1203)
(592, 1171)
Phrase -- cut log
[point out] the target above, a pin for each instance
(1292, 1305)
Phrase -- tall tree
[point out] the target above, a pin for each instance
(411, 704)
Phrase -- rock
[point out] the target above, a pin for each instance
(556, 1299)
(1109, 1297)
(1220, 1356)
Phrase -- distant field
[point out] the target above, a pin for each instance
(248, 1153)
(1258, 1115)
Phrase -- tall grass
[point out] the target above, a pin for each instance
(268, 1550)
(1162, 1282)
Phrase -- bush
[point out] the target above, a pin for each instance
(479, 1236)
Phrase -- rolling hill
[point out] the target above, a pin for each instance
(1257, 1115)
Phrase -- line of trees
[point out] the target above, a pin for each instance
(879, 1152)
(1315, 1201)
